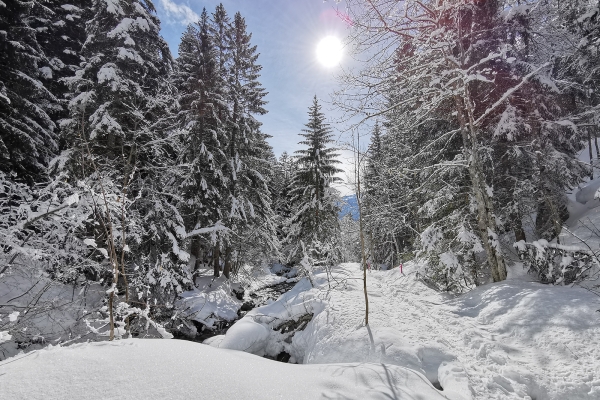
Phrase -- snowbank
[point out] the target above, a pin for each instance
(510, 340)
(173, 369)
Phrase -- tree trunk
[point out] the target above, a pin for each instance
(195, 251)
(216, 264)
(596, 143)
(519, 231)
(485, 211)
(227, 267)
(591, 156)
(362, 236)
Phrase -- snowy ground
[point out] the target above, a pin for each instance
(510, 340)
(175, 369)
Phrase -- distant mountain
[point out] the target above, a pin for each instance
(349, 205)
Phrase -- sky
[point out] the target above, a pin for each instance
(286, 33)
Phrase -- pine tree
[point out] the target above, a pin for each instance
(314, 201)
(60, 30)
(28, 138)
(470, 100)
(201, 99)
(226, 153)
(118, 100)
(280, 187)
(248, 151)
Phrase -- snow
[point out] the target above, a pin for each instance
(211, 298)
(128, 24)
(126, 53)
(114, 7)
(508, 340)
(108, 73)
(174, 369)
(12, 317)
(46, 72)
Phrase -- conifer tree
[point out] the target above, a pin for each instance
(60, 29)
(280, 187)
(200, 97)
(314, 201)
(470, 100)
(120, 151)
(248, 151)
(28, 138)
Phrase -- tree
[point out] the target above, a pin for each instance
(60, 31)
(452, 79)
(249, 197)
(201, 99)
(28, 138)
(314, 201)
(280, 186)
(120, 151)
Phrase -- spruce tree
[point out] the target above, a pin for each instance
(121, 151)
(280, 186)
(200, 97)
(28, 138)
(314, 201)
(248, 151)
(60, 29)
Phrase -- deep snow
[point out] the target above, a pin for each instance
(509, 340)
(175, 369)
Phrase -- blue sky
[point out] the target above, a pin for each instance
(286, 33)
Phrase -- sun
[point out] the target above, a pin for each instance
(329, 51)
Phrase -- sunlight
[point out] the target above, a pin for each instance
(329, 51)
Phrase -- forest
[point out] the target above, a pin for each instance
(140, 196)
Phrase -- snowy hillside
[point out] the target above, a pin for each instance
(349, 206)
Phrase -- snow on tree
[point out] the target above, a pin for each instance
(250, 215)
(28, 137)
(225, 151)
(60, 30)
(280, 186)
(121, 151)
(315, 204)
(200, 98)
(462, 80)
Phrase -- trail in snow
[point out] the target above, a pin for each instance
(501, 341)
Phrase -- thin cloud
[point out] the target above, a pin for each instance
(179, 13)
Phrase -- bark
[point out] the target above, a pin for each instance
(195, 250)
(519, 231)
(362, 236)
(216, 257)
(597, 149)
(591, 156)
(485, 211)
(227, 267)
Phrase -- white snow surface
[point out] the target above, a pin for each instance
(175, 369)
(508, 340)
(211, 298)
